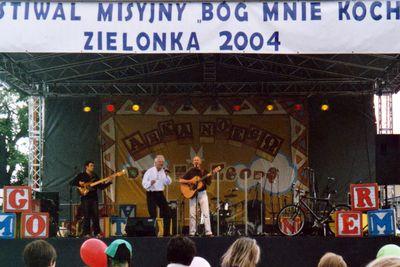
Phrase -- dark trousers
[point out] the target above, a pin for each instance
(155, 199)
(90, 210)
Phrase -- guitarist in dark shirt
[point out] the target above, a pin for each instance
(90, 202)
(200, 197)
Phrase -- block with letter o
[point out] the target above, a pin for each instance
(17, 199)
(364, 197)
(35, 225)
(7, 225)
(349, 224)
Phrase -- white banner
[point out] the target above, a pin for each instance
(226, 27)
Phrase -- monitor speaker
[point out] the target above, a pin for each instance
(141, 227)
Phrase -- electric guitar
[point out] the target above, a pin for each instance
(85, 188)
(190, 187)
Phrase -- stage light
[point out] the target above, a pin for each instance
(135, 107)
(270, 107)
(298, 107)
(237, 107)
(187, 106)
(324, 107)
(110, 107)
(86, 107)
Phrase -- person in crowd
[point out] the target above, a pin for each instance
(331, 260)
(388, 250)
(387, 261)
(39, 253)
(244, 252)
(199, 262)
(119, 254)
(180, 252)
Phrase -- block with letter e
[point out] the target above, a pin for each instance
(349, 224)
(382, 222)
(7, 225)
(35, 225)
(118, 225)
(364, 197)
(17, 199)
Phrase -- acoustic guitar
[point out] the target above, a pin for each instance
(190, 187)
(85, 188)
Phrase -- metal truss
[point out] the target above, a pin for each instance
(36, 135)
(385, 114)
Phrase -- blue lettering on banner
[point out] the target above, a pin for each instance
(241, 41)
(291, 10)
(374, 5)
(359, 10)
(2, 4)
(105, 14)
(59, 12)
(88, 46)
(15, 6)
(41, 10)
(224, 11)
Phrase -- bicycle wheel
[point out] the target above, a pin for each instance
(290, 220)
(332, 217)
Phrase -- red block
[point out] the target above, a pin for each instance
(17, 199)
(364, 197)
(35, 225)
(349, 224)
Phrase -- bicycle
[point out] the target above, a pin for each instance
(292, 218)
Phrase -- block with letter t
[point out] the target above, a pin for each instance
(382, 222)
(17, 199)
(364, 197)
(118, 225)
(7, 225)
(349, 224)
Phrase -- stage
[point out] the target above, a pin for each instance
(276, 250)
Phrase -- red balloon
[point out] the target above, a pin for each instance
(92, 253)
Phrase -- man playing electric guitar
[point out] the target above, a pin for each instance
(89, 201)
(201, 197)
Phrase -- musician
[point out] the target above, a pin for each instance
(201, 197)
(90, 202)
(154, 181)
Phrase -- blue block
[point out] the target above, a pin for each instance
(381, 222)
(7, 225)
(118, 226)
(127, 211)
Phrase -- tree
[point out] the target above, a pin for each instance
(13, 127)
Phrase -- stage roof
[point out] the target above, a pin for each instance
(199, 74)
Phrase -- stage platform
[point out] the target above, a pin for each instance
(276, 250)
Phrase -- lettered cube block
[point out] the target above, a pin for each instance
(7, 225)
(105, 226)
(382, 222)
(35, 225)
(364, 197)
(118, 226)
(349, 224)
(127, 211)
(17, 199)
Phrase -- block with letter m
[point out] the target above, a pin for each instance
(382, 222)
(7, 225)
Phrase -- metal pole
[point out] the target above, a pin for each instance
(245, 204)
(262, 204)
(218, 204)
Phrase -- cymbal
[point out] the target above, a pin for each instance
(230, 195)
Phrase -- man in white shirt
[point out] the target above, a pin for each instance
(154, 181)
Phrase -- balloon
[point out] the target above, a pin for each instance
(92, 253)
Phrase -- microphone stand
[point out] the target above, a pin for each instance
(70, 201)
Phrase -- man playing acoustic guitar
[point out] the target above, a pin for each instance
(200, 197)
(89, 201)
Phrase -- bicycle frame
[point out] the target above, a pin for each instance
(303, 205)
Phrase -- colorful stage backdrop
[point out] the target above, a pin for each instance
(271, 146)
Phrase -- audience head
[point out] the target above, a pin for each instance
(331, 260)
(181, 250)
(244, 252)
(388, 250)
(119, 253)
(388, 261)
(39, 253)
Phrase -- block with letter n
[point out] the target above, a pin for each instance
(382, 222)
(349, 224)
(17, 199)
(364, 197)
(7, 225)
(35, 225)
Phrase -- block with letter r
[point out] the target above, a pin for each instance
(118, 226)
(382, 222)
(127, 211)
(7, 225)
(364, 197)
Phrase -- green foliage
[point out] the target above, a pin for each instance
(13, 127)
